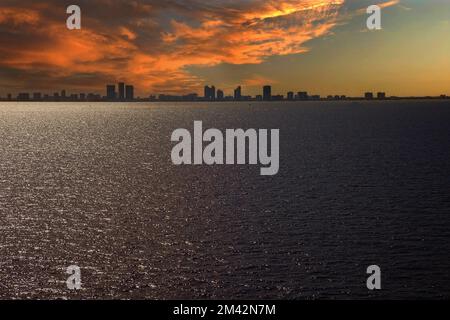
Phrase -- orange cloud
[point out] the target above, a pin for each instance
(17, 17)
(153, 53)
(389, 3)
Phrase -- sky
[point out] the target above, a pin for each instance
(179, 46)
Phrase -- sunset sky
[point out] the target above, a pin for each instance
(178, 46)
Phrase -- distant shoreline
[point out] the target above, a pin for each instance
(233, 101)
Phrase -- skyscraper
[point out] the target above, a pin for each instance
(368, 95)
(381, 95)
(121, 91)
(302, 95)
(111, 92)
(238, 93)
(290, 95)
(129, 93)
(267, 93)
(220, 95)
(210, 93)
(213, 93)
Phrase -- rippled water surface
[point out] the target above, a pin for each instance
(93, 185)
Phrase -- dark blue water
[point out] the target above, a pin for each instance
(360, 183)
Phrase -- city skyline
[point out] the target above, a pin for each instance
(122, 92)
(177, 47)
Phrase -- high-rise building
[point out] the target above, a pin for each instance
(368, 95)
(129, 93)
(302, 95)
(213, 93)
(381, 95)
(63, 94)
(111, 92)
(210, 93)
(267, 93)
(121, 91)
(238, 93)
(220, 95)
(290, 95)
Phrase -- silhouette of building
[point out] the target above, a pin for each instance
(302, 95)
(111, 92)
(190, 97)
(290, 96)
(9, 96)
(93, 97)
(267, 93)
(63, 94)
(210, 93)
(259, 97)
(381, 95)
(238, 93)
(37, 96)
(220, 95)
(278, 97)
(23, 96)
(368, 95)
(82, 96)
(121, 91)
(129, 93)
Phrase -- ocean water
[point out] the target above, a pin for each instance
(93, 185)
